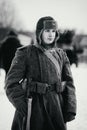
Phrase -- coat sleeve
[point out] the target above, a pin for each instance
(69, 92)
(14, 90)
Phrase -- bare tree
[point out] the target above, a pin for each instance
(7, 13)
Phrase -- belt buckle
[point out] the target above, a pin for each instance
(48, 88)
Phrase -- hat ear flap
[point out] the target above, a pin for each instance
(39, 37)
(57, 36)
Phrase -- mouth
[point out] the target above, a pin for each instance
(50, 38)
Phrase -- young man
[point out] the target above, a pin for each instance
(49, 82)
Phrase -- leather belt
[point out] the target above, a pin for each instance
(42, 88)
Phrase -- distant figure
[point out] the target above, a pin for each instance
(65, 42)
(72, 55)
(8, 49)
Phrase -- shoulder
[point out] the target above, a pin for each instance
(59, 51)
(24, 48)
(62, 54)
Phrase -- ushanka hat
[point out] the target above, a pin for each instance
(45, 23)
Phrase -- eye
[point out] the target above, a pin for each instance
(47, 30)
(53, 30)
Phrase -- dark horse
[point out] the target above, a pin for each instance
(72, 55)
(7, 51)
(65, 42)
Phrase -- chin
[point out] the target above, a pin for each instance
(50, 42)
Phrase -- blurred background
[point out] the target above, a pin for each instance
(18, 20)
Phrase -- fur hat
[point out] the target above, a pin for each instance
(45, 23)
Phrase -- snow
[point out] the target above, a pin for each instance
(79, 75)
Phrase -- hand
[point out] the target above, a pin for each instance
(69, 117)
(22, 108)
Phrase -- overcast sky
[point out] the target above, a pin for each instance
(70, 14)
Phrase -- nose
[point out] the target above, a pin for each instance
(50, 33)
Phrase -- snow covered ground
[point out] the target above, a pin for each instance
(80, 78)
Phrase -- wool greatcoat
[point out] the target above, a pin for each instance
(52, 109)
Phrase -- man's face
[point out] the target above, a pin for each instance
(48, 36)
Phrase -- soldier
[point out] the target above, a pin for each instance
(49, 85)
